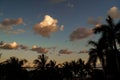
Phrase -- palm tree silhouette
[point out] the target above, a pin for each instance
(97, 53)
(12, 69)
(41, 69)
(52, 70)
(41, 62)
(110, 32)
(110, 38)
(67, 71)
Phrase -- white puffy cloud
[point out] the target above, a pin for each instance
(80, 33)
(114, 12)
(65, 51)
(39, 49)
(47, 26)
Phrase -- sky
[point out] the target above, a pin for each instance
(59, 29)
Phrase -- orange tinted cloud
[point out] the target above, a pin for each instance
(114, 12)
(80, 33)
(12, 45)
(95, 22)
(7, 26)
(47, 26)
(83, 51)
(18, 31)
(9, 22)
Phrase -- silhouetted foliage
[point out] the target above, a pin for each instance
(106, 49)
(12, 69)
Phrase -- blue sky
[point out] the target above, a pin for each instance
(21, 22)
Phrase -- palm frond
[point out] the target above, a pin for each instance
(103, 28)
(93, 43)
(118, 38)
(110, 22)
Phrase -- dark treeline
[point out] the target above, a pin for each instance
(106, 50)
(12, 69)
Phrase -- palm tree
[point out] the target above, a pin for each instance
(82, 68)
(40, 71)
(97, 53)
(41, 62)
(110, 34)
(67, 71)
(52, 70)
(74, 67)
(12, 69)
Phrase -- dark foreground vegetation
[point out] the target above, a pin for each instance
(106, 49)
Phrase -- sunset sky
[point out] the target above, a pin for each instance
(60, 29)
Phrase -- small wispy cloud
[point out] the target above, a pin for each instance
(71, 5)
(18, 31)
(39, 49)
(7, 26)
(83, 51)
(1, 13)
(47, 26)
(57, 1)
(96, 22)
(10, 22)
(24, 47)
(80, 33)
(65, 51)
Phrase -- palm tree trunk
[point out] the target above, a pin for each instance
(116, 55)
(114, 44)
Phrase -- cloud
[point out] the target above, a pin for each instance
(65, 51)
(83, 51)
(95, 22)
(12, 45)
(23, 47)
(80, 33)
(39, 49)
(18, 31)
(70, 5)
(1, 14)
(10, 22)
(47, 26)
(62, 28)
(57, 1)
(7, 25)
(114, 12)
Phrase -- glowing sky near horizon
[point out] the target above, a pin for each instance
(60, 29)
